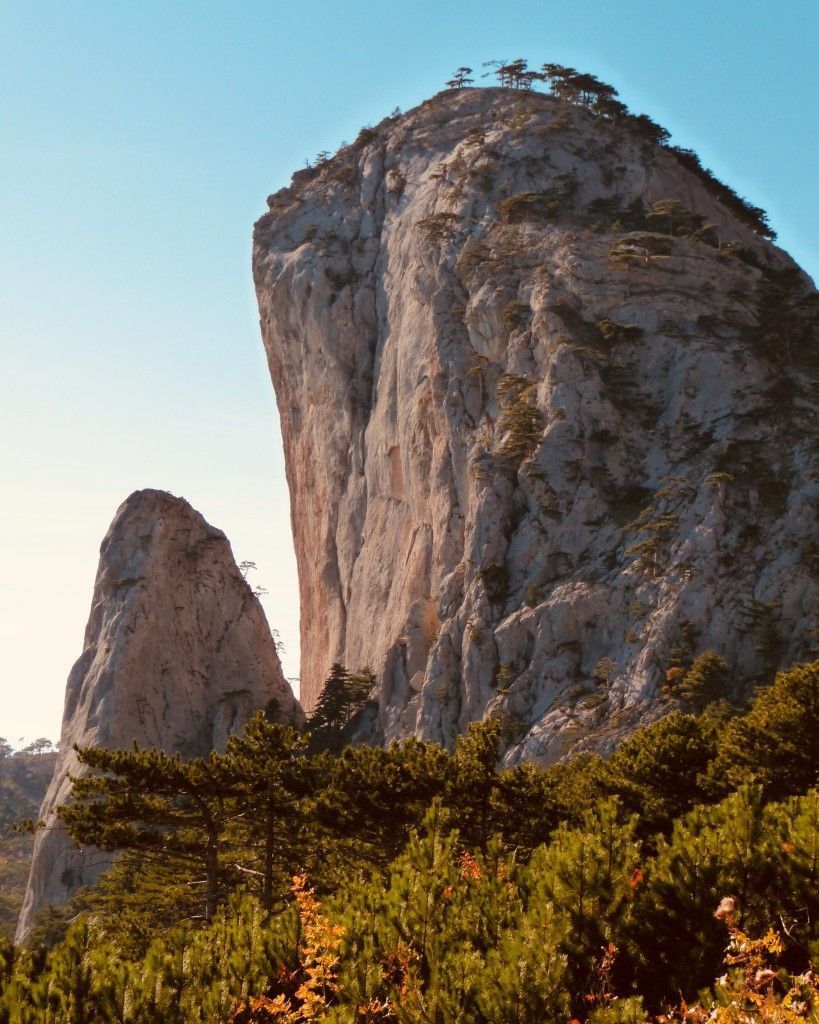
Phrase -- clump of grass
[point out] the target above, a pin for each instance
(438, 226)
(638, 247)
(528, 206)
(504, 677)
(511, 387)
(612, 332)
(473, 255)
(520, 423)
(515, 314)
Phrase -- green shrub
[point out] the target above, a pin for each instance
(446, 887)
(629, 1010)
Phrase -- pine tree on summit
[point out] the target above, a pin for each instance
(513, 74)
(460, 78)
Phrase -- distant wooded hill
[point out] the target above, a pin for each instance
(24, 777)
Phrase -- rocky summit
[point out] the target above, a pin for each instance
(177, 655)
(547, 393)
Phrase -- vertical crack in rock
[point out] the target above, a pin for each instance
(177, 655)
(536, 419)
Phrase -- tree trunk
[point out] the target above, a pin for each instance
(212, 866)
(267, 890)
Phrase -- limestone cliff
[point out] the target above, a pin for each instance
(177, 655)
(549, 420)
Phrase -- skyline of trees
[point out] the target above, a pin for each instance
(589, 92)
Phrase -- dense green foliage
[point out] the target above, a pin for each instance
(453, 889)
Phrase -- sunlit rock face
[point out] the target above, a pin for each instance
(177, 655)
(543, 436)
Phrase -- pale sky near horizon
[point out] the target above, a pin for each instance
(138, 141)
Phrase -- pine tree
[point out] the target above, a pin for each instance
(473, 781)
(370, 798)
(344, 696)
(460, 78)
(86, 980)
(269, 760)
(159, 981)
(562, 81)
(733, 848)
(525, 807)
(777, 742)
(525, 979)
(416, 930)
(588, 875)
(707, 680)
(799, 900)
(170, 810)
(656, 771)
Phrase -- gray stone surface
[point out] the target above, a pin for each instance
(177, 655)
(398, 294)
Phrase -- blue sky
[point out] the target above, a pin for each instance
(138, 141)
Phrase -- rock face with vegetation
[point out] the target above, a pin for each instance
(24, 777)
(177, 655)
(547, 393)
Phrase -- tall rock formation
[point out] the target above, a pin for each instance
(177, 655)
(549, 415)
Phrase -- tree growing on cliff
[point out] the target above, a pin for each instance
(344, 696)
(586, 90)
(706, 681)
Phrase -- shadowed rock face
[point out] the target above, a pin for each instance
(538, 432)
(177, 655)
